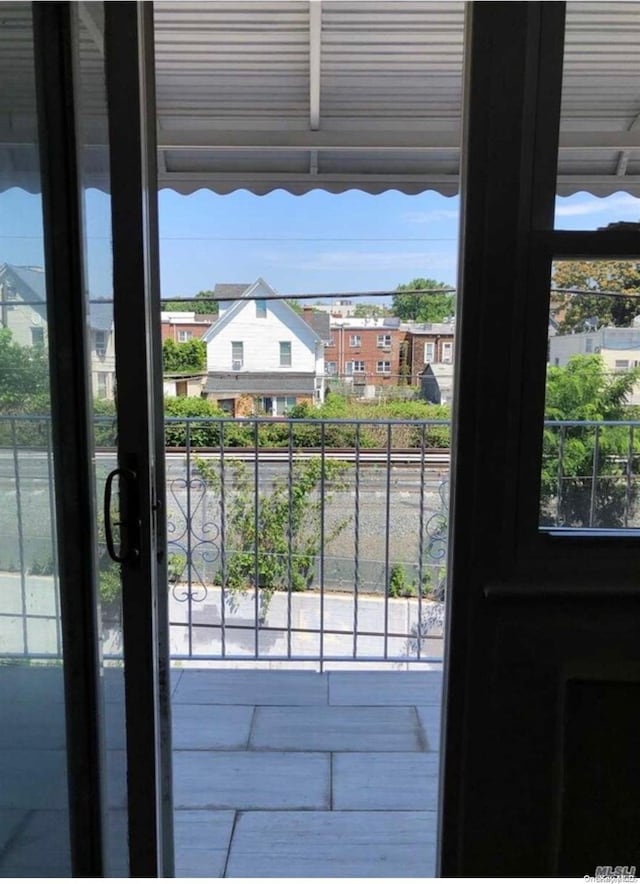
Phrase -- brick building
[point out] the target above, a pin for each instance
(182, 327)
(367, 351)
(430, 343)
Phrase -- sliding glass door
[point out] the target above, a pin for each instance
(85, 787)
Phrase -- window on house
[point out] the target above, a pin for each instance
(429, 351)
(184, 336)
(447, 351)
(354, 367)
(101, 342)
(383, 366)
(331, 368)
(355, 340)
(285, 353)
(622, 365)
(384, 340)
(37, 337)
(101, 386)
(237, 355)
(261, 308)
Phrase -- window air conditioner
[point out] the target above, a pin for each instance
(237, 364)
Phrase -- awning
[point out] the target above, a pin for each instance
(304, 94)
(261, 384)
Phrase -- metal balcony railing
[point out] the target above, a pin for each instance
(293, 539)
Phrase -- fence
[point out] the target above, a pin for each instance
(292, 539)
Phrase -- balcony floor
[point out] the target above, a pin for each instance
(277, 773)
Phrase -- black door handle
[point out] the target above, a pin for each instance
(129, 547)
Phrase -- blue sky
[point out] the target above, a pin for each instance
(314, 243)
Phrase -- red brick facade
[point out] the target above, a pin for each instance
(428, 347)
(368, 354)
(180, 331)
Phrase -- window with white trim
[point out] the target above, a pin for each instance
(37, 337)
(331, 368)
(355, 340)
(285, 354)
(384, 340)
(237, 355)
(383, 366)
(447, 351)
(100, 340)
(261, 308)
(354, 367)
(184, 335)
(429, 351)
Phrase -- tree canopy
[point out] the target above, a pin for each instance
(584, 390)
(196, 305)
(188, 356)
(24, 376)
(575, 312)
(431, 307)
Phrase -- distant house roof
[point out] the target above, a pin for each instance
(429, 328)
(29, 281)
(320, 323)
(229, 291)
(101, 315)
(261, 383)
(258, 290)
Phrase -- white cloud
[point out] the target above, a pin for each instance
(624, 202)
(431, 217)
(339, 260)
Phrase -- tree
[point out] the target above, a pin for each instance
(197, 304)
(595, 276)
(429, 307)
(24, 376)
(188, 356)
(584, 390)
(364, 311)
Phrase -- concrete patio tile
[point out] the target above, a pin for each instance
(336, 729)
(385, 781)
(251, 780)
(33, 779)
(338, 844)
(10, 823)
(211, 727)
(34, 684)
(41, 849)
(33, 725)
(430, 722)
(385, 688)
(202, 840)
(248, 688)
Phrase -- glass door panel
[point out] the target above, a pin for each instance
(95, 198)
(34, 820)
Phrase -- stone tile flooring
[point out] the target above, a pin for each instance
(313, 775)
(277, 773)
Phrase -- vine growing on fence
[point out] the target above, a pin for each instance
(277, 545)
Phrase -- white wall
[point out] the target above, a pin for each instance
(261, 339)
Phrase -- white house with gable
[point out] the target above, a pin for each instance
(262, 357)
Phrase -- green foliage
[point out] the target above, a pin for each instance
(188, 356)
(584, 391)
(432, 307)
(24, 377)
(595, 276)
(196, 305)
(399, 584)
(277, 546)
(365, 311)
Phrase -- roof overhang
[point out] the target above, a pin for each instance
(333, 94)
